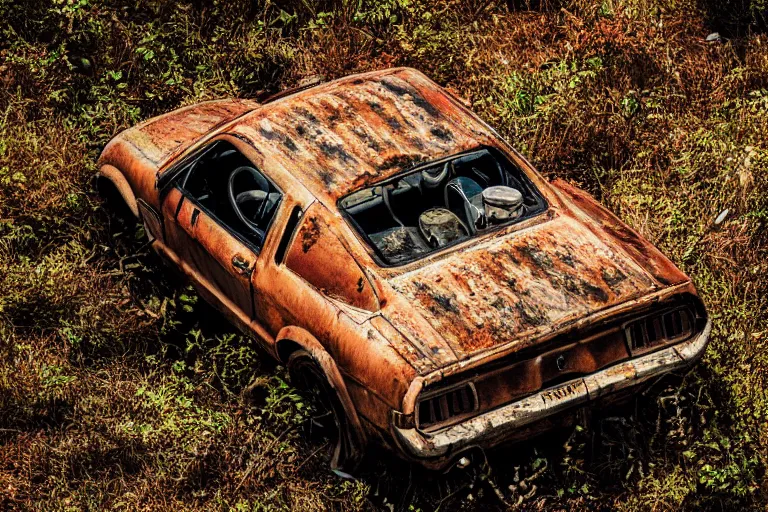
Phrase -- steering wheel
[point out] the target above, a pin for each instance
(432, 179)
(258, 195)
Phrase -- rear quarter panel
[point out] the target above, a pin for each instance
(603, 222)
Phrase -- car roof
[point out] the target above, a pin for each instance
(341, 136)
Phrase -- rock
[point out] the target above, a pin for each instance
(714, 36)
(720, 218)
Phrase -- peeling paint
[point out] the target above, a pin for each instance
(508, 290)
(394, 333)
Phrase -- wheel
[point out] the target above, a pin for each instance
(115, 203)
(327, 418)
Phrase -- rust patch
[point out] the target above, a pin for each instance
(409, 93)
(400, 162)
(613, 276)
(366, 138)
(337, 137)
(531, 281)
(310, 235)
(441, 134)
(326, 177)
(282, 138)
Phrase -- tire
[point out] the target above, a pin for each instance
(114, 202)
(329, 419)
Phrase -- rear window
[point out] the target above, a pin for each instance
(440, 204)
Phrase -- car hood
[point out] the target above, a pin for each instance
(159, 139)
(512, 288)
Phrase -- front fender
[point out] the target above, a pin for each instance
(113, 175)
(141, 152)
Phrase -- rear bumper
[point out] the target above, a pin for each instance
(438, 449)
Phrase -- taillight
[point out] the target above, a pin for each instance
(654, 331)
(444, 406)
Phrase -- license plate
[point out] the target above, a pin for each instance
(564, 392)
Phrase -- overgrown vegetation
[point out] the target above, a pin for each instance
(119, 389)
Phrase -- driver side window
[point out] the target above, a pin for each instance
(225, 184)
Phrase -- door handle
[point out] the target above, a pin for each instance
(243, 267)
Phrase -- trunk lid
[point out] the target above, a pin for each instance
(515, 288)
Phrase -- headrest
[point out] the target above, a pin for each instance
(431, 179)
(467, 187)
(502, 203)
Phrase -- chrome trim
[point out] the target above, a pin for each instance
(493, 425)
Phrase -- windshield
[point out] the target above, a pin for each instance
(441, 204)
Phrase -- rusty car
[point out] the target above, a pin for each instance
(405, 263)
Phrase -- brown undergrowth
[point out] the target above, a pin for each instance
(119, 389)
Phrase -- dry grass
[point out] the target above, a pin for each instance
(118, 389)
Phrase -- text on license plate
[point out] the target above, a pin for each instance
(564, 392)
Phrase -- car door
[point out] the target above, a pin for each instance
(224, 263)
(218, 250)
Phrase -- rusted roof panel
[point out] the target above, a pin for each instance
(341, 136)
(518, 286)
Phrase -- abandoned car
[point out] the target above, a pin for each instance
(406, 263)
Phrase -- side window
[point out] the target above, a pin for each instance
(290, 227)
(232, 190)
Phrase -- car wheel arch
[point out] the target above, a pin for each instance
(291, 339)
(110, 176)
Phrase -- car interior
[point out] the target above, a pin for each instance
(440, 204)
(228, 186)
